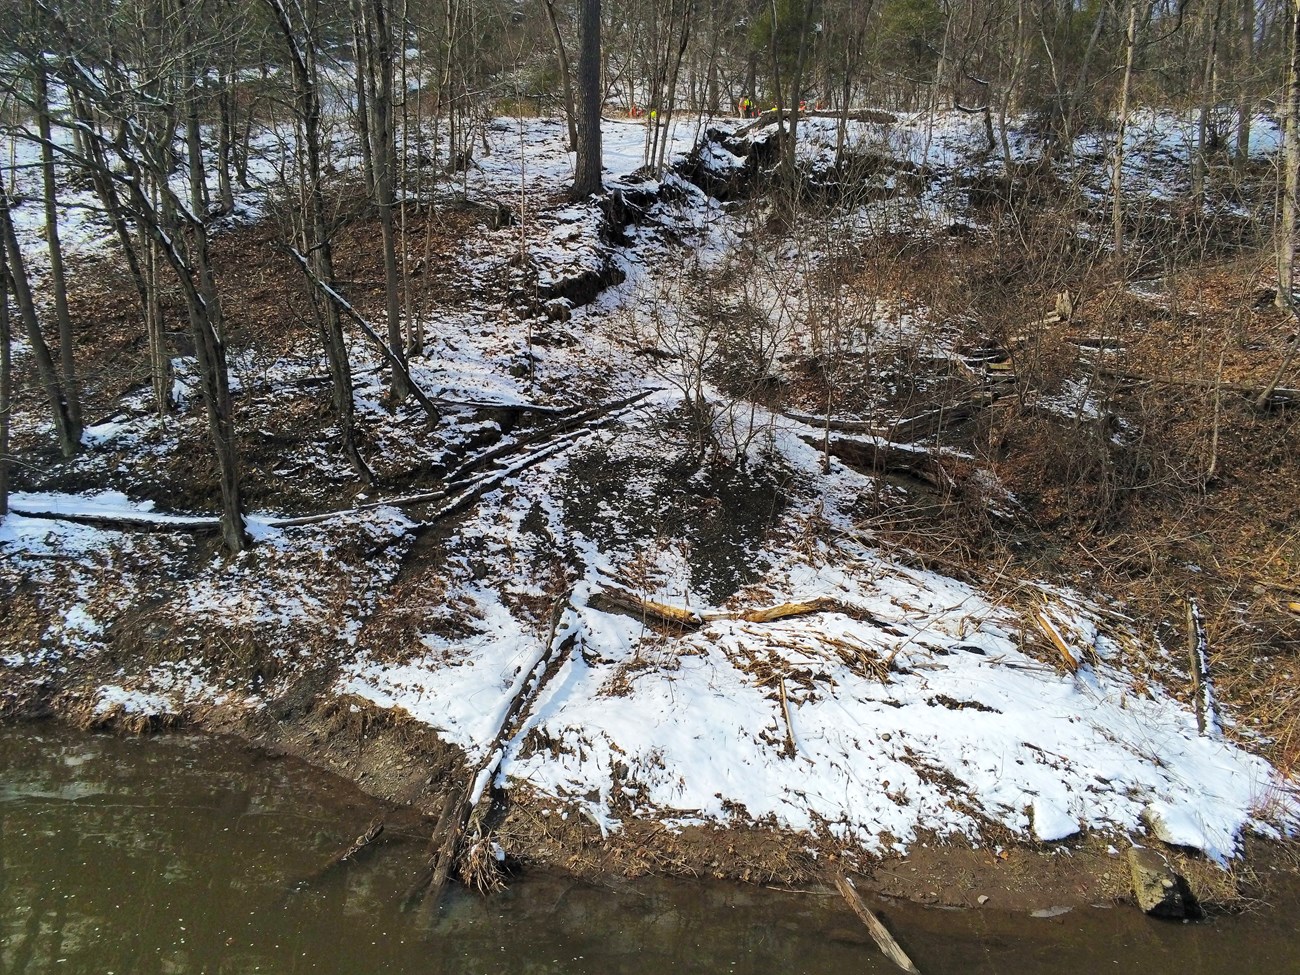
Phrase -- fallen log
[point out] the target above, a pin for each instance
(161, 525)
(786, 610)
(609, 599)
(460, 493)
(879, 933)
(453, 498)
(904, 429)
(577, 419)
(880, 456)
(870, 115)
(1279, 396)
(461, 802)
(1198, 664)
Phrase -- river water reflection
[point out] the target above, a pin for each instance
(188, 855)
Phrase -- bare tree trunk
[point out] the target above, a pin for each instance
(671, 93)
(1287, 228)
(361, 56)
(587, 178)
(6, 380)
(45, 365)
(108, 196)
(566, 76)
(58, 279)
(777, 87)
(159, 361)
(209, 333)
(796, 86)
(1081, 82)
(1245, 67)
(316, 239)
(385, 160)
(1121, 131)
(225, 140)
(1200, 158)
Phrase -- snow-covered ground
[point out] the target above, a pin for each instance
(908, 701)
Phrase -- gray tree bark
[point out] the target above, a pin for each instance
(1291, 161)
(45, 365)
(587, 178)
(6, 380)
(315, 232)
(58, 279)
(384, 159)
(566, 76)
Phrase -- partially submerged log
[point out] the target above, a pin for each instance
(879, 933)
(461, 801)
(348, 853)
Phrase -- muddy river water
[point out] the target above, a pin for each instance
(189, 855)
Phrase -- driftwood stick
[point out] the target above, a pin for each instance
(791, 749)
(879, 933)
(1054, 635)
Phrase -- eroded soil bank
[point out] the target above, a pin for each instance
(93, 823)
(404, 766)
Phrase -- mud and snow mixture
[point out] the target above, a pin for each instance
(897, 700)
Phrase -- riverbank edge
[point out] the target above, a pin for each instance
(404, 764)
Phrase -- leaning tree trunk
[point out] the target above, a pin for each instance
(58, 280)
(587, 178)
(206, 323)
(315, 232)
(46, 368)
(566, 76)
